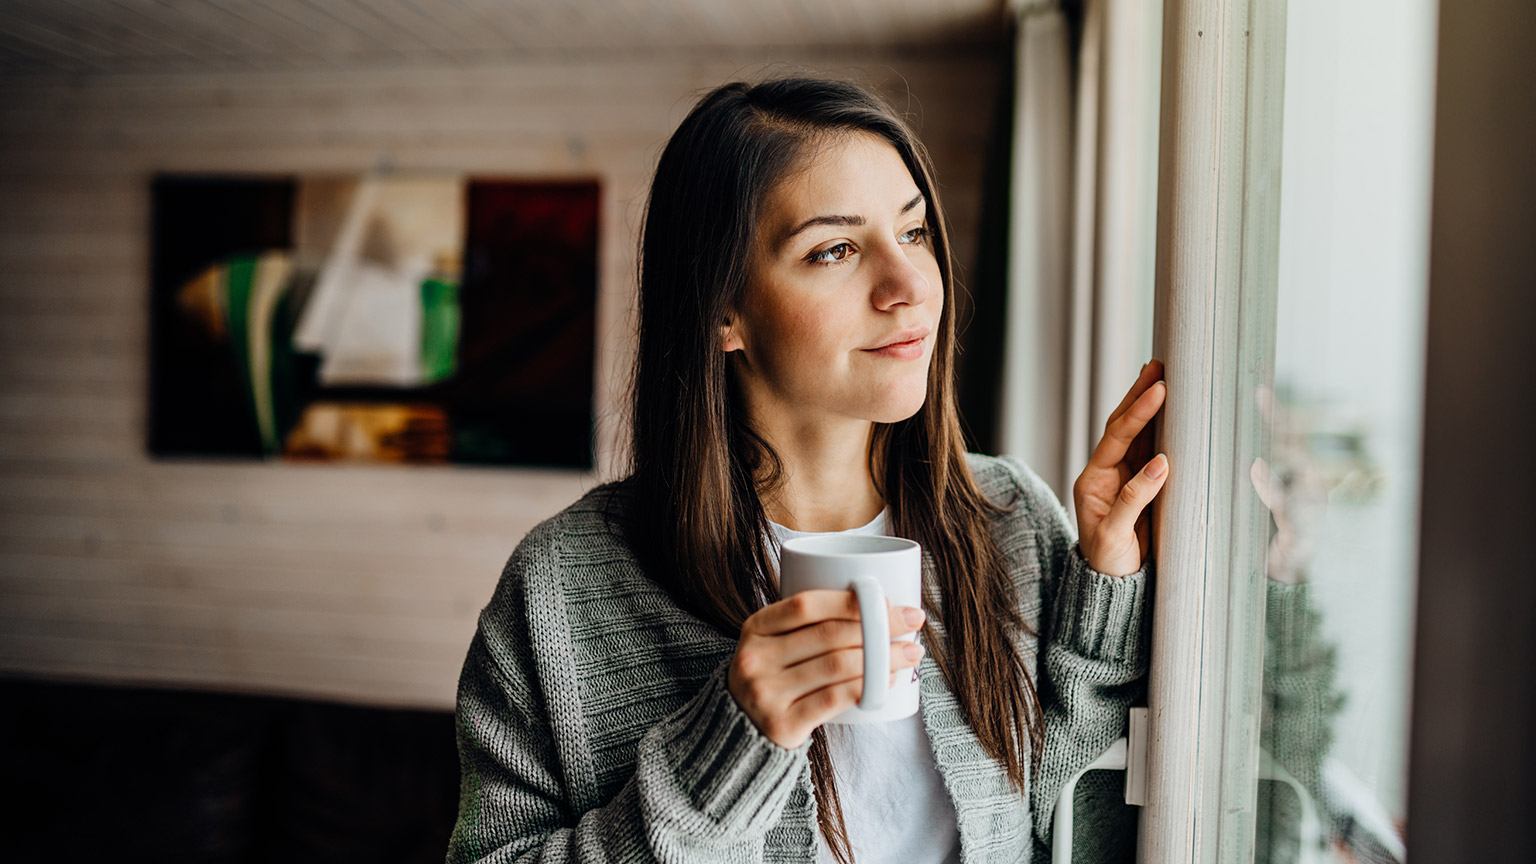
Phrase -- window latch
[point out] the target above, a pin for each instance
(1136, 757)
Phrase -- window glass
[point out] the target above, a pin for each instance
(1343, 415)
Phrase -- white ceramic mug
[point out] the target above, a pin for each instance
(875, 569)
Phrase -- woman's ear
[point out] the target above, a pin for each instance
(730, 334)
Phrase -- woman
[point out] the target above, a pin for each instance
(637, 691)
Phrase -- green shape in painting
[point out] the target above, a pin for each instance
(439, 327)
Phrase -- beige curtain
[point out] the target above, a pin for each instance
(1083, 208)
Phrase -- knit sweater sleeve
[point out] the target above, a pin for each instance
(1094, 649)
(1300, 697)
(707, 785)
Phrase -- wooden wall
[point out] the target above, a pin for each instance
(353, 583)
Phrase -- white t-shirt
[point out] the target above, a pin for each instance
(894, 802)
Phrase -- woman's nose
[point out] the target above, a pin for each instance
(900, 281)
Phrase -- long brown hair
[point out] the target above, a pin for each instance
(698, 467)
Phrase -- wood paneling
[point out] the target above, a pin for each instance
(359, 584)
(232, 35)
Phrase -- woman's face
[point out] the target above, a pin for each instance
(842, 311)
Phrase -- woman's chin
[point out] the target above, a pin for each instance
(899, 407)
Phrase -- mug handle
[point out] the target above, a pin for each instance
(875, 623)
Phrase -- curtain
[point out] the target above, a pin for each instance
(1082, 228)
(1039, 249)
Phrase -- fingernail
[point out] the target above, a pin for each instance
(1157, 466)
(913, 616)
(913, 651)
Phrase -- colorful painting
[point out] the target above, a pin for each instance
(385, 318)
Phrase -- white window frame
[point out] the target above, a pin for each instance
(1214, 317)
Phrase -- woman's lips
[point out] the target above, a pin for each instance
(911, 349)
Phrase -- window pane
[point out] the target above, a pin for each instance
(1342, 471)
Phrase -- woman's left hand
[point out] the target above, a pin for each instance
(1113, 492)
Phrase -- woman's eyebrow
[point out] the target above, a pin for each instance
(843, 220)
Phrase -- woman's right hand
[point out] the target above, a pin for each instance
(800, 662)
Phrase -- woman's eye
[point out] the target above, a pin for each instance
(832, 253)
(916, 235)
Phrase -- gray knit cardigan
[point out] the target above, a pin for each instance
(594, 722)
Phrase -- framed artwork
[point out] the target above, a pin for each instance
(382, 318)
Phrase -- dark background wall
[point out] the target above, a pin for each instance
(1472, 786)
(104, 773)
